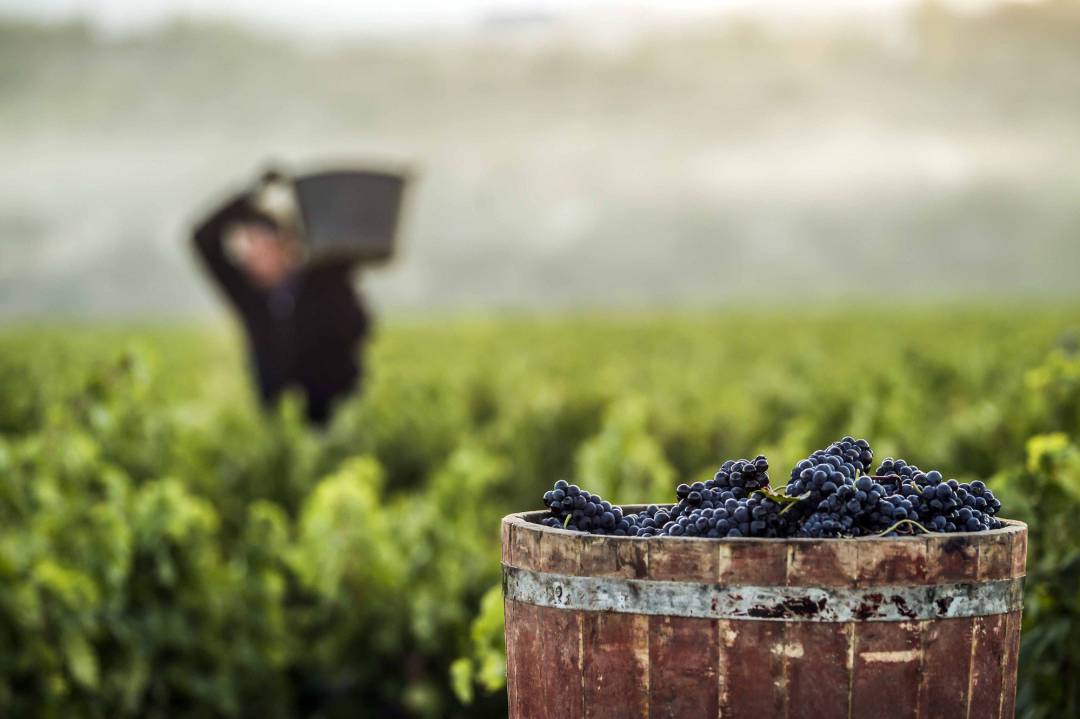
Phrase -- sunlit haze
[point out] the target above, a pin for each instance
(349, 16)
(566, 154)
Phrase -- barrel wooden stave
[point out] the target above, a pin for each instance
(580, 663)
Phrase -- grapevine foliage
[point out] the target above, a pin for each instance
(168, 552)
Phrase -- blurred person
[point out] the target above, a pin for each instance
(305, 324)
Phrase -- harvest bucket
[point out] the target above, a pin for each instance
(603, 626)
(351, 215)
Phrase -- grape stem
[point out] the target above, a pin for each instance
(904, 521)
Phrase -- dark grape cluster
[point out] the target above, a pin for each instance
(817, 479)
(890, 469)
(841, 460)
(831, 494)
(903, 501)
(741, 476)
(650, 521)
(697, 496)
(898, 467)
(853, 509)
(728, 516)
(943, 505)
(575, 509)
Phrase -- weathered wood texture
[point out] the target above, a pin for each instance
(576, 663)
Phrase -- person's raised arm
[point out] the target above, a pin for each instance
(209, 241)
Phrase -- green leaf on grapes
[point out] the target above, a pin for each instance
(794, 501)
(785, 499)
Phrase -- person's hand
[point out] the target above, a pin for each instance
(270, 176)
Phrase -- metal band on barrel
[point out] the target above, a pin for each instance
(799, 604)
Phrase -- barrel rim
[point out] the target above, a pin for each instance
(776, 602)
(526, 519)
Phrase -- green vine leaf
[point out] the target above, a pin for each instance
(784, 499)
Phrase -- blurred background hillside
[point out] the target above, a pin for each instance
(569, 155)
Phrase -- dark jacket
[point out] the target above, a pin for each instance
(303, 333)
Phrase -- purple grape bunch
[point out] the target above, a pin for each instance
(831, 493)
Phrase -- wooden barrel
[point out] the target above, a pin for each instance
(620, 627)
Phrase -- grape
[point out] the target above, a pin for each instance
(824, 473)
(575, 509)
(753, 516)
(706, 509)
(951, 506)
(741, 476)
(897, 467)
(832, 494)
(820, 525)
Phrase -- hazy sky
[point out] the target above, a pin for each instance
(348, 16)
